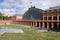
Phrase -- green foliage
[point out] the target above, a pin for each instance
(1, 14)
(6, 18)
(1, 17)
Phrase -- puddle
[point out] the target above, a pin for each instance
(10, 30)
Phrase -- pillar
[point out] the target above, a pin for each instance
(57, 25)
(57, 18)
(52, 18)
(36, 24)
(39, 25)
(24, 23)
(47, 25)
(43, 26)
(28, 23)
(47, 18)
(52, 25)
(43, 17)
(33, 24)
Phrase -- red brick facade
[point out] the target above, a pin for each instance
(5, 21)
(51, 20)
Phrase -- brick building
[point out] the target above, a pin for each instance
(51, 20)
(17, 17)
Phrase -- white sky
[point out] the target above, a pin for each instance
(20, 6)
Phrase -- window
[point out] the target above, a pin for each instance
(55, 10)
(55, 18)
(50, 10)
(45, 18)
(59, 17)
(49, 18)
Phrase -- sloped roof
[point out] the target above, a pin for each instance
(33, 14)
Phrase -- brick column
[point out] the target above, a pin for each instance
(33, 24)
(43, 26)
(43, 17)
(57, 17)
(47, 25)
(52, 25)
(52, 18)
(39, 25)
(25, 23)
(20, 22)
(36, 24)
(57, 25)
(47, 17)
(29, 23)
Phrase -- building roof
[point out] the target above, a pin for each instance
(53, 10)
(56, 7)
(33, 14)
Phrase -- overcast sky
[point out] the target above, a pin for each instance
(20, 6)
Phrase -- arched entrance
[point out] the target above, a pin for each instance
(55, 26)
(41, 24)
(58, 26)
(45, 24)
(37, 24)
(50, 28)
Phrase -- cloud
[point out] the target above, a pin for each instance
(50, 3)
(21, 6)
(8, 11)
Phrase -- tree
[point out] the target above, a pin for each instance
(0, 13)
(1, 16)
(6, 18)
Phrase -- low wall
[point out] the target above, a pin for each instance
(5, 21)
